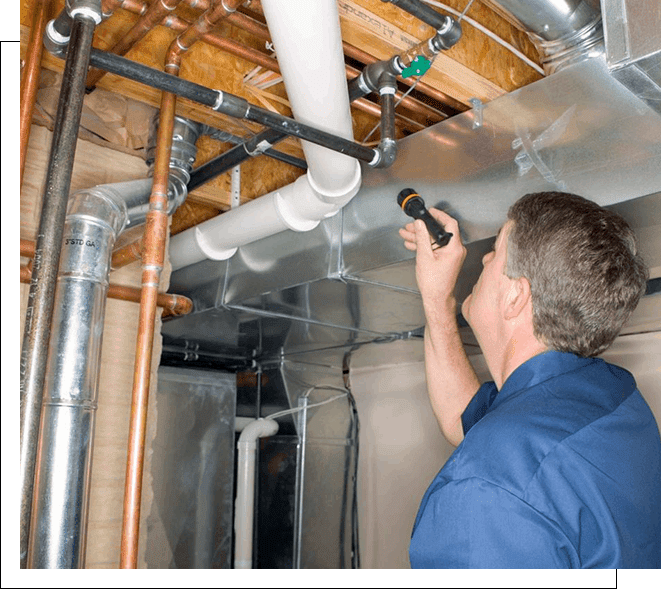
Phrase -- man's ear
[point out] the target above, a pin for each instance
(518, 298)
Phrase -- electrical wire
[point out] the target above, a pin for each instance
(487, 32)
(297, 409)
(355, 433)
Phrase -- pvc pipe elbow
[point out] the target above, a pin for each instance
(343, 194)
(260, 428)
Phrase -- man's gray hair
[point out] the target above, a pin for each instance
(581, 261)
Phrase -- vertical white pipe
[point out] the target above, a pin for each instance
(308, 43)
(245, 489)
(305, 32)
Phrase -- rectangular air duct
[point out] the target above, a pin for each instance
(350, 280)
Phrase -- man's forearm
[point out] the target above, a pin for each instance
(451, 380)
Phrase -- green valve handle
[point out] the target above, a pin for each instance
(418, 67)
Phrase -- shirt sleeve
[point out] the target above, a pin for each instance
(476, 409)
(472, 523)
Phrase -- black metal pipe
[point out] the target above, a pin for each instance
(388, 143)
(46, 259)
(421, 11)
(368, 80)
(307, 133)
(244, 150)
(116, 64)
(58, 32)
(229, 104)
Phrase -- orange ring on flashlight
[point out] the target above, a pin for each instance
(409, 197)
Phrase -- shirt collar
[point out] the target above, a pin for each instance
(538, 369)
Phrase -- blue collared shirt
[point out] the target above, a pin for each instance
(561, 468)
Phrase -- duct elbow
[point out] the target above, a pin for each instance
(102, 205)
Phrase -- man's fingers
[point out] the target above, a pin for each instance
(422, 239)
(414, 234)
(449, 223)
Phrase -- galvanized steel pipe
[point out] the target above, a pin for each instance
(59, 521)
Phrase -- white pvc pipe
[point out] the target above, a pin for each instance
(308, 43)
(245, 488)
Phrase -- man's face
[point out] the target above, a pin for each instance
(482, 308)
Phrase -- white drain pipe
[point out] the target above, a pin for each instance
(308, 43)
(245, 488)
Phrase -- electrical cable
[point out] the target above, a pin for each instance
(297, 409)
(355, 432)
(487, 32)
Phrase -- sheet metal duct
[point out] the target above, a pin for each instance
(190, 523)
(350, 280)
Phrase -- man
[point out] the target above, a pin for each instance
(558, 461)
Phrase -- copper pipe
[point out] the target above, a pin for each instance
(153, 257)
(203, 25)
(109, 6)
(176, 304)
(261, 31)
(126, 255)
(31, 72)
(172, 303)
(156, 12)
(26, 274)
(27, 248)
(256, 28)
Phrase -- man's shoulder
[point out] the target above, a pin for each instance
(593, 410)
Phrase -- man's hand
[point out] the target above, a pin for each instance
(436, 268)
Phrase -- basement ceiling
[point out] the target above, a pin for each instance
(238, 58)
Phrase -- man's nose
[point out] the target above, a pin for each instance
(487, 257)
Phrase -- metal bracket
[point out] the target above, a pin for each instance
(478, 112)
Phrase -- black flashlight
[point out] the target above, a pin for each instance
(413, 205)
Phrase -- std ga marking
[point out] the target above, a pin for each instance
(78, 241)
